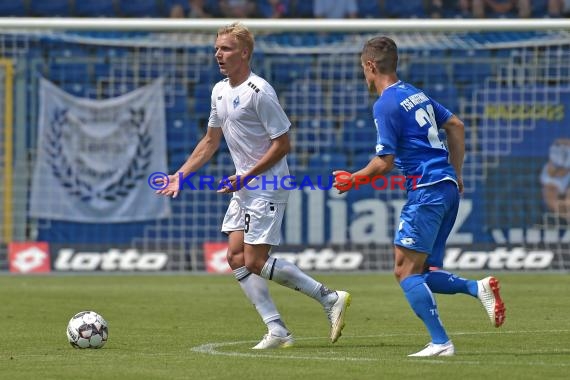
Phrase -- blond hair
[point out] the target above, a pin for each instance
(241, 33)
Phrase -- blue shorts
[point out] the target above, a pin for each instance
(427, 219)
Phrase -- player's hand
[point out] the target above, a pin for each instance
(227, 185)
(460, 185)
(172, 187)
(342, 181)
(233, 183)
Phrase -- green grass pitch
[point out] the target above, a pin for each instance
(202, 327)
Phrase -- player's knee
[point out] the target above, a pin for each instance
(401, 271)
(254, 266)
(235, 259)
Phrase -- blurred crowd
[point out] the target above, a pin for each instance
(334, 9)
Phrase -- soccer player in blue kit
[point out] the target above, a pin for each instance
(407, 122)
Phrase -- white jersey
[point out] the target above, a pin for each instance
(250, 117)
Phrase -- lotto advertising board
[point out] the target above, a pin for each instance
(41, 257)
(306, 258)
(381, 258)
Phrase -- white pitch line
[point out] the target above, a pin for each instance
(212, 349)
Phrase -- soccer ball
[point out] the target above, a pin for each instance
(87, 329)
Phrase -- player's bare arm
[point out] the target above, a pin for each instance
(455, 131)
(203, 152)
(377, 166)
(278, 149)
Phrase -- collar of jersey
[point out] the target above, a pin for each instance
(392, 85)
(242, 83)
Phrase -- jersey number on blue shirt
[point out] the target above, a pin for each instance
(424, 117)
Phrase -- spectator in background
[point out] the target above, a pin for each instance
(566, 8)
(336, 9)
(177, 11)
(278, 8)
(196, 9)
(449, 8)
(501, 8)
(555, 180)
(547, 8)
(238, 8)
(558, 8)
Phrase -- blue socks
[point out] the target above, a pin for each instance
(443, 282)
(421, 300)
(418, 289)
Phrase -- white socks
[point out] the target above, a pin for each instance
(284, 273)
(256, 290)
(288, 274)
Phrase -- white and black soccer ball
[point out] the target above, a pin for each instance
(87, 329)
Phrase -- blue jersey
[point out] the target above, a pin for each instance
(408, 123)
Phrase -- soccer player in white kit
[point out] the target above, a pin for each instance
(246, 111)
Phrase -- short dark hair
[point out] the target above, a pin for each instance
(383, 52)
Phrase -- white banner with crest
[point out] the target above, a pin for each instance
(94, 156)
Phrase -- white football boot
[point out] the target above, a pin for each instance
(431, 349)
(270, 341)
(336, 313)
(488, 294)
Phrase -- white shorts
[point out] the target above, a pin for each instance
(260, 220)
